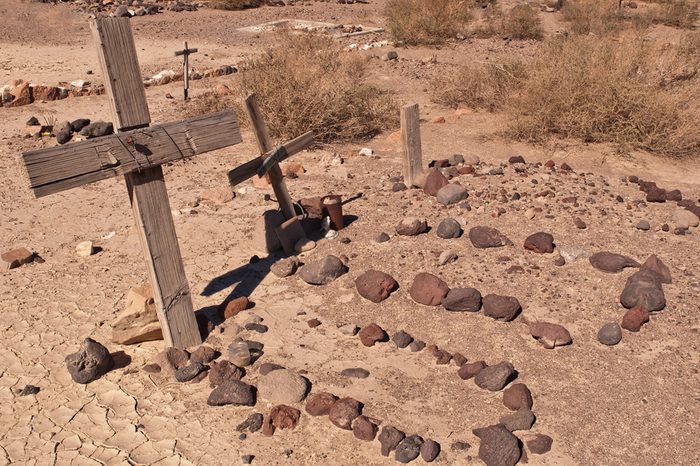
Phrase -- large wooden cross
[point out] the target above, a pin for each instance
(137, 152)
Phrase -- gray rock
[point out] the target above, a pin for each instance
(189, 372)
(283, 387)
(239, 353)
(643, 225)
(122, 12)
(446, 257)
(449, 228)
(610, 334)
(644, 289)
(349, 329)
(324, 271)
(503, 308)
(611, 263)
(411, 226)
(355, 373)
(451, 194)
(430, 450)
(90, 363)
(285, 267)
(97, 129)
(655, 264)
(232, 392)
(498, 446)
(389, 438)
(522, 419)
(253, 423)
(494, 378)
(408, 449)
(382, 238)
(402, 339)
(79, 124)
(462, 299)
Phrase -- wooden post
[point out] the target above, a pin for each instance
(147, 192)
(412, 150)
(185, 53)
(265, 144)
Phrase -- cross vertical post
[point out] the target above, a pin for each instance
(185, 53)
(412, 149)
(146, 187)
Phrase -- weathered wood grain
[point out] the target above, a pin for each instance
(410, 138)
(266, 145)
(65, 167)
(249, 169)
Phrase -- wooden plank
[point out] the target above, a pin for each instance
(410, 138)
(265, 144)
(147, 191)
(118, 59)
(64, 167)
(249, 169)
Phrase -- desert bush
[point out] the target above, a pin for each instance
(522, 22)
(480, 86)
(306, 83)
(427, 22)
(234, 4)
(677, 13)
(604, 90)
(593, 16)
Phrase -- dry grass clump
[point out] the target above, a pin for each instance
(305, 83)
(427, 22)
(599, 17)
(677, 13)
(480, 86)
(521, 23)
(234, 4)
(604, 90)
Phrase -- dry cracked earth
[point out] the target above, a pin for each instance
(637, 402)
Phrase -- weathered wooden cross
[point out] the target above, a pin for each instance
(185, 54)
(137, 152)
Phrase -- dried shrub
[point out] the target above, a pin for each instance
(427, 22)
(677, 13)
(599, 17)
(306, 83)
(606, 90)
(234, 4)
(480, 86)
(522, 23)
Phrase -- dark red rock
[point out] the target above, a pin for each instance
(517, 396)
(389, 438)
(462, 299)
(540, 444)
(344, 411)
(427, 289)
(434, 181)
(611, 263)
(674, 195)
(319, 404)
(222, 371)
(268, 429)
(364, 429)
(580, 224)
(487, 237)
(469, 370)
(549, 164)
(442, 357)
(494, 378)
(284, 417)
(430, 450)
(644, 289)
(656, 195)
(375, 286)
(516, 159)
(313, 323)
(542, 243)
(498, 446)
(372, 334)
(635, 318)
(504, 308)
(411, 226)
(459, 359)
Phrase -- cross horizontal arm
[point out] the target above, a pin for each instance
(179, 53)
(64, 167)
(249, 169)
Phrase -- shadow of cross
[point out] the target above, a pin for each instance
(137, 152)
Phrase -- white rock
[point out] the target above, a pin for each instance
(446, 257)
(685, 219)
(366, 151)
(530, 214)
(85, 249)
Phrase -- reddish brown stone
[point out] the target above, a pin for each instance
(344, 411)
(223, 371)
(469, 370)
(372, 334)
(15, 258)
(541, 242)
(232, 308)
(459, 359)
(517, 396)
(313, 323)
(427, 289)
(21, 94)
(364, 429)
(635, 318)
(319, 404)
(375, 286)
(284, 417)
(434, 182)
(540, 445)
(442, 357)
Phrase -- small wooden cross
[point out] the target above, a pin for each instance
(137, 152)
(185, 53)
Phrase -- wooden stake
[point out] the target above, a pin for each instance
(266, 145)
(185, 53)
(147, 192)
(412, 150)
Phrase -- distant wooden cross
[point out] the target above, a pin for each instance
(137, 152)
(185, 54)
